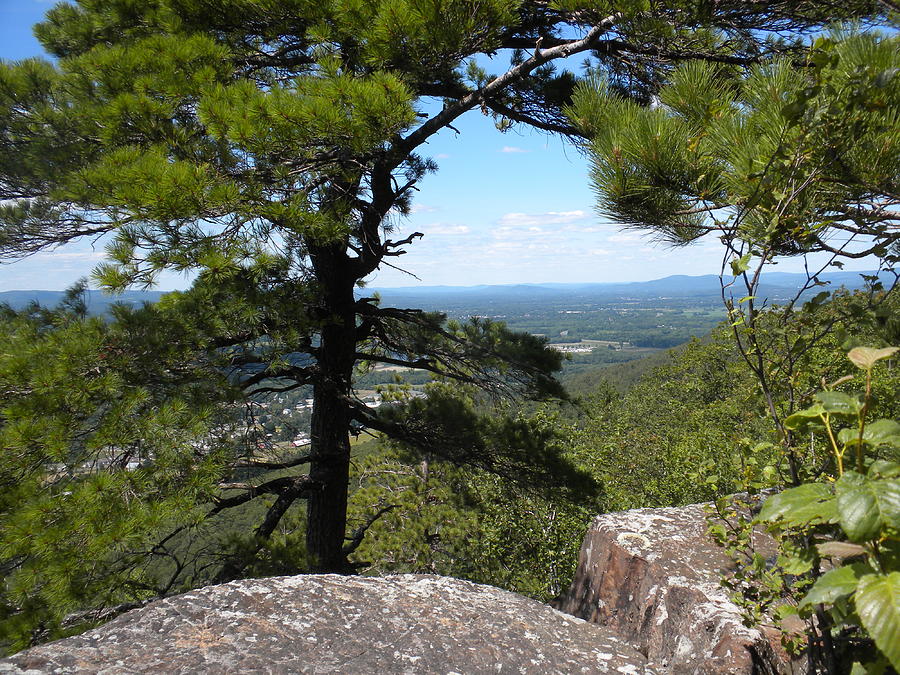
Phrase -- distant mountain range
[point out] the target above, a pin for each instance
(777, 287)
(98, 302)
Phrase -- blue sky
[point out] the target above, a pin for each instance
(502, 209)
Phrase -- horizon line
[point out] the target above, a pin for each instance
(461, 286)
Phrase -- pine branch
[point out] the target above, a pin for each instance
(623, 48)
(406, 145)
(288, 464)
(388, 244)
(300, 375)
(567, 130)
(293, 485)
(360, 532)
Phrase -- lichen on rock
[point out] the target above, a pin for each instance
(653, 577)
(335, 624)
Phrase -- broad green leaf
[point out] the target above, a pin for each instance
(812, 411)
(882, 468)
(807, 504)
(785, 610)
(803, 417)
(742, 264)
(839, 403)
(866, 505)
(797, 563)
(857, 508)
(878, 606)
(866, 357)
(848, 436)
(882, 432)
(834, 584)
(887, 492)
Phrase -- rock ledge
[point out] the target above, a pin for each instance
(652, 576)
(330, 624)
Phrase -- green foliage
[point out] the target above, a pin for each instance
(671, 439)
(426, 521)
(808, 504)
(621, 377)
(757, 580)
(454, 424)
(865, 504)
(440, 518)
(104, 446)
(877, 603)
(778, 158)
(821, 435)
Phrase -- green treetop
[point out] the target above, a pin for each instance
(789, 157)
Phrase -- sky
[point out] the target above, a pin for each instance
(503, 208)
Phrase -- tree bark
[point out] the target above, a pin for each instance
(330, 423)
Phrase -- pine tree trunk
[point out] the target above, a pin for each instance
(330, 424)
(327, 505)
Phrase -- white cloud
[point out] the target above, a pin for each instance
(89, 255)
(517, 233)
(548, 218)
(513, 149)
(626, 237)
(446, 229)
(600, 251)
(442, 155)
(586, 229)
(421, 208)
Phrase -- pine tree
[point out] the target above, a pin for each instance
(272, 147)
(781, 158)
(790, 158)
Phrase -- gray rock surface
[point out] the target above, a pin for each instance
(334, 624)
(652, 576)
